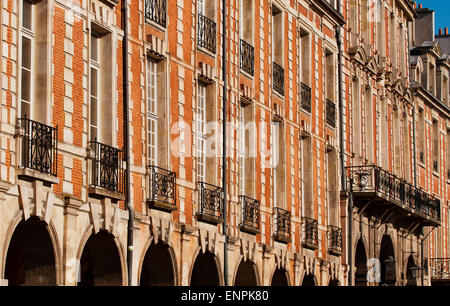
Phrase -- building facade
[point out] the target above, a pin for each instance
(112, 141)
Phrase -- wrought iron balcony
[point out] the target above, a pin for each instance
(107, 169)
(250, 215)
(440, 269)
(155, 10)
(384, 188)
(334, 240)
(206, 33)
(278, 78)
(39, 147)
(310, 233)
(162, 189)
(305, 97)
(282, 225)
(210, 203)
(247, 61)
(330, 113)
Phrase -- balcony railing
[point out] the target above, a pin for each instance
(107, 167)
(310, 233)
(206, 33)
(331, 113)
(38, 146)
(440, 268)
(374, 181)
(334, 240)
(282, 225)
(278, 78)
(162, 189)
(247, 61)
(155, 10)
(210, 203)
(305, 97)
(250, 215)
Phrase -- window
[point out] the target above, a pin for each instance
(368, 126)
(448, 154)
(421, 132)
(356, 119)
(152, 113)
(307, 179)
(305, 57)
(384, 139)
(365, 24)
(435, 145)
(101, 86)
(201, 132)
(246, 20)
(392, 44)
(329, 75)
(242, 150)
(278, 155)
(406, 141)
(277, 35)
(396, 139)
(381, 28)
(333, 202)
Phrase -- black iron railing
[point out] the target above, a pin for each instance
(107, 167)
(330, 113)
(282, 224)
(247, 61)
(278, 78)
(162, 186)
(373, 179)
(155, 10)
(39, 146)
(310, 233)
(440, 268)
(334, 240)
(250, 214)
(206, 37)
(305, 97)
(210, 201)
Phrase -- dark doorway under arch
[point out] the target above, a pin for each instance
(205, 271)
(157, 268)
(280, 278)
(334, 283)
(411, 280)
(360, 264)
(31, 258)
(387, 262)
(309, 281)
(246, 274)
(100, 262)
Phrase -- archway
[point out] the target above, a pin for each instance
(334, 283)
(280, 278)
(100, 262)
(387, 262)
(31, 258)
(205, 272)
(360, 264)
(309, 281)
(410, 277)
(246, 274)
(157, 268)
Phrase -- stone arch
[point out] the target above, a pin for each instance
(114, 244)
(32, 258)
(157, 252)
(360, 262)
(387, 256)
(309, 280)
(208, 259)
(244, 268)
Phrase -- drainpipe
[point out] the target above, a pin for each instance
(224, 148)
(342, 155)
(126, 120)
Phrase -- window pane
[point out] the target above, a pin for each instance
(27, 17)
(26, 52)
(94, 113)
(94, 48)
(26, 85)
(25, 110)
(94, 83)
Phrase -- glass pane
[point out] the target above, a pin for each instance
(25, 110)
(27, 16)
(94, 48)
(26, 52)
(26, 85)
(93, 133)
(94, 111)
(94, 81)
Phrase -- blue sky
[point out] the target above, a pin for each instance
(442, 12)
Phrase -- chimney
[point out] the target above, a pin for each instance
(440, 32)
(420, 5)
(446, 31)
(415, 4)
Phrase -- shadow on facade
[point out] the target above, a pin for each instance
(360, 264)
(280, 278)
(31, 259)
(309, 281)
(246, 274)
(100, 262)
(387, 262)
(205, 271)
(157, 269)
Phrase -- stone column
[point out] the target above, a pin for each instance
(71, 264)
